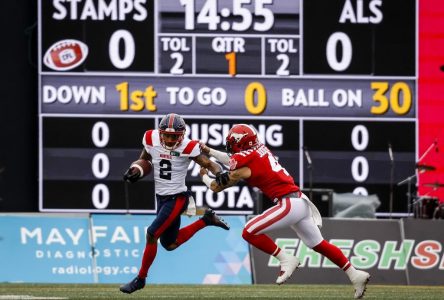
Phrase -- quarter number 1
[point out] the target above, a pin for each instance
(231, 58)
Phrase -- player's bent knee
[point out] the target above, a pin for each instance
(170, 247)
(167, 245)
(150, 238)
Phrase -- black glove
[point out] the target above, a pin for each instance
(222, 178)
(131, 175)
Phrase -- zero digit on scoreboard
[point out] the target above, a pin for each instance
(360, 167)
(255, 89)
(100, 165)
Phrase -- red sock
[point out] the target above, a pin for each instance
(148, 257)
(262, 242)
(187, 232)
(333, 253)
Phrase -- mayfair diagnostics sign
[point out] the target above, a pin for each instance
(109, 249)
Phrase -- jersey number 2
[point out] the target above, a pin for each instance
(165, 169)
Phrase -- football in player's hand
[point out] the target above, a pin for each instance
(222, 178)
(145, 166)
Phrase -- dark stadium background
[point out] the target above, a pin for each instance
(18, 106)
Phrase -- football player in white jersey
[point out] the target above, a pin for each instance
(170, 153)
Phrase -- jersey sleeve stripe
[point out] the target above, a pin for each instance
(149, 137)
(189, 147)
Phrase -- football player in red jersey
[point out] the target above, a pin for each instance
(253, 162)
(170, 154)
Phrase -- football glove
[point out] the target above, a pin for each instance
(131, 175)
(222, 178)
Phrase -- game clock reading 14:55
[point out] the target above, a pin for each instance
(337, 78)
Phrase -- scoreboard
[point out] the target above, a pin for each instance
(330, 85)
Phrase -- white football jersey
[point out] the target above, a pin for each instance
(170, 166)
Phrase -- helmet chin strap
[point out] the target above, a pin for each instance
(177, 144)
(170, 147)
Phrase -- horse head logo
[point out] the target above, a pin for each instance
(237, 136)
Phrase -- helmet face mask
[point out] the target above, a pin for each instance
(241, 137)
(171, 131)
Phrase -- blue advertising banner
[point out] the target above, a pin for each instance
(45, 249)
(212, 255)
(109, 249)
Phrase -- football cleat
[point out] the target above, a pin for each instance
(134, 285)
(210, 218)
(360, 280)
(288, 266)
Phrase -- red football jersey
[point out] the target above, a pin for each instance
(266, 172)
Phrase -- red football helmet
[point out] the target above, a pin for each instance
(172, 131)
(241, 137)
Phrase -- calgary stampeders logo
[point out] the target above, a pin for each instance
(65, 55)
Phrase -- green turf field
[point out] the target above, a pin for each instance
(111, 291)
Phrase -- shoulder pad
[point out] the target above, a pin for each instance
(148, 138)
(190, 147)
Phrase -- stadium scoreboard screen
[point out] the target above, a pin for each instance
(331, 82)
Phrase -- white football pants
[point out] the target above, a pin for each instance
(287, 212)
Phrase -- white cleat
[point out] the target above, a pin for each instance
(288, 266)
(360, 280)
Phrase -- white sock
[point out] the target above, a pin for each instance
(282, 255)
(350, 272)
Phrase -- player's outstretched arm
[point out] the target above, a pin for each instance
(233, 178)
(219, 155)
(207, 163)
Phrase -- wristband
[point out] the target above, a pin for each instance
(220, 156)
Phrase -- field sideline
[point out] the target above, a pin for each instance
(259, 291)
